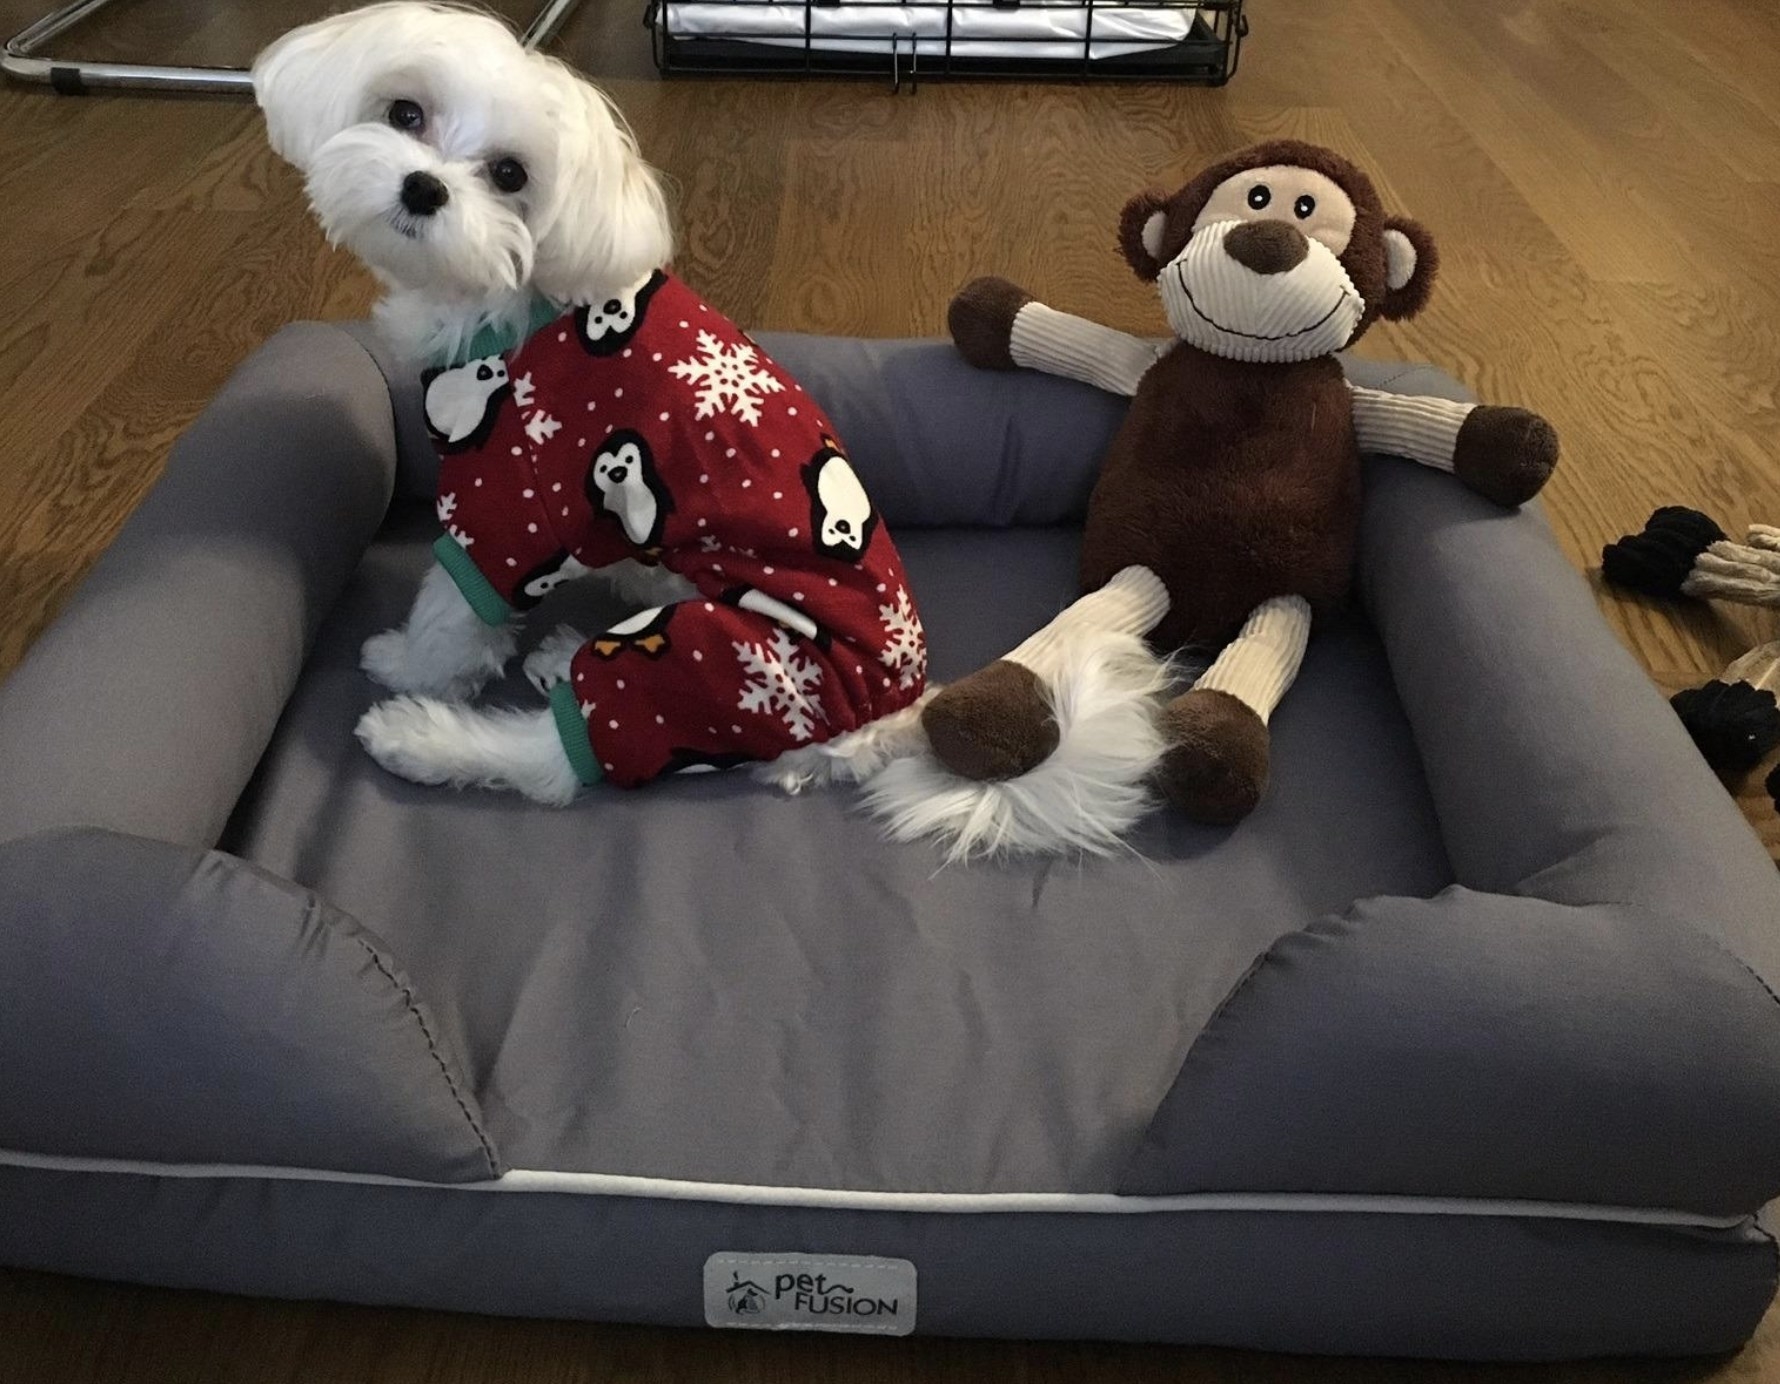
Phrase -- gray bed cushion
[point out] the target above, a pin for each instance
(177, 1005)
(1039, 1011)
(1588, 835)
(849, 1017)
(1421, 1047)
(1481, 1287)
(145, 706)
(817, 1001)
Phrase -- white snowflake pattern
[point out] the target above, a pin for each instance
(781, 681)
(905, 653)
(446, 507)
(540, 427)
(462, 539)
(727, 378)
(522, 390)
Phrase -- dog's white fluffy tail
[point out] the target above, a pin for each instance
(1103, 685)
(431, 741)
(851, 758)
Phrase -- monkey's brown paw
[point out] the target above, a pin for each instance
(981, 320)
(1505, 454)
(994, 724)
(1216, 767)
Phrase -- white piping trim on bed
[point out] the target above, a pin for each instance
(523, 1180)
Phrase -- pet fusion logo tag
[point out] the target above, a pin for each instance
(810, 1292)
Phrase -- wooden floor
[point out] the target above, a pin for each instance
(1604, 178)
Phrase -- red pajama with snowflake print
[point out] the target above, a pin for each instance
(650, 427)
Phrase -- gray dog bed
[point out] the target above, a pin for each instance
(1464, 1044)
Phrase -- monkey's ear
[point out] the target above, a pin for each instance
(1142, 226)
(1411, 262)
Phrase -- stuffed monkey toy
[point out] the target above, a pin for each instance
(1227, 508)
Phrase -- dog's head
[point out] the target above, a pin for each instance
(456, 163)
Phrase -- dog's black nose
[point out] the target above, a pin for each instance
(423, 194)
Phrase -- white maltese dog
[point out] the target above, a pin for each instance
(591, 414)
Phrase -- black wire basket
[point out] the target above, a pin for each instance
(906, 40)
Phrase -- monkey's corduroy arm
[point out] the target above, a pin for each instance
(1060, 343)
(1504, 454)
(1407, 425)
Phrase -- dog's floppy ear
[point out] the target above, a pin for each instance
(307, 82)
(605, 224)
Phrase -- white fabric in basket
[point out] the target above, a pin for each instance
(1052, 29)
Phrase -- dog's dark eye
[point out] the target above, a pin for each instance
(508, 175)
(1259, 196)
(406, 115)
(1304, 206)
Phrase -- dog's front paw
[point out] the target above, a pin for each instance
(548, 664)
(384, 657)
(452, 670)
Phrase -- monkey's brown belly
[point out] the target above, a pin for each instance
(1260, 521)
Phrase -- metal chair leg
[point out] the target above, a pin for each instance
(75, 76)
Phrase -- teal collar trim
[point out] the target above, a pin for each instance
(493, 340)
(571, 726)
(490, 606)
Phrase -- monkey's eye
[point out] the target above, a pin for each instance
(406, 115)
(1303, 207)
(1259, 196)
(508, 175)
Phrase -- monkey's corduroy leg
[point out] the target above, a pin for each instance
(1000, 722)
(1216, 767)
(1259, 664)
(1133, 601)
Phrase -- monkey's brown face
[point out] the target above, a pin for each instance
(1279, 252)
(1260, 277)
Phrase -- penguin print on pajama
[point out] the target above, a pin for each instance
(841, 516)
(644, 633)
(549, 574)
(606, 327)
(656, 430)
(747, 598)
(461, 401)
(624, 483)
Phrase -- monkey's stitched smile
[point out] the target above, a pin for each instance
(1341, 296)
